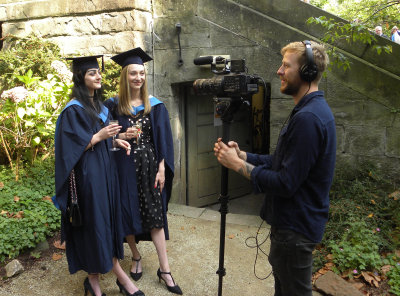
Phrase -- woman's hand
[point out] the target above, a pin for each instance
(160, 176)
(125, 145)
(107, 132)
(131, 132)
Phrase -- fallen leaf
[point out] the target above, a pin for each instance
(371, 215)
(47, 198)
(370, 278)
(395, 195)
(231, 236)
(56, 256)
(3, 212)
(373, 202)
(182, 228)
(1, 185)
(193, 227)
(16, 198)
(329, 265)
(323, 270)
(19, 215)
(385, 269)
(356, 283)
(329, 257)
(59, 245)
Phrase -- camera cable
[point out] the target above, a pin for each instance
(256, 244)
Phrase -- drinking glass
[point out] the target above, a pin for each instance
(114, 143)
(138, 127)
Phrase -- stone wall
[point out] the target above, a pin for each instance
(362, 99)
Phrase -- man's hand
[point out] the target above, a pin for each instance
(227, 156)
(230, 158)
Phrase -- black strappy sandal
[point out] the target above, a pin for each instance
(136, 275)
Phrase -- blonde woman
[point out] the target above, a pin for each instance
(145, 175)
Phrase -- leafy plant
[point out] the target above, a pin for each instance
(357, 250)
(20, 54)
(336, 32)
(394, 279)
(28, 118)
(110, 80)
(27, 215)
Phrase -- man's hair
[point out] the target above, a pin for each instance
(320, 56)
(378, 28)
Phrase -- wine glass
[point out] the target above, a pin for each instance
(138, 127)
(114, 144)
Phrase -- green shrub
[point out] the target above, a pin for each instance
(357, 250)
(394, 279)
(26, 53)
(27, 216)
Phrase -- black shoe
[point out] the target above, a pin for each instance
(136, 275)
(88, 288)
(173, 289)
(125, 292)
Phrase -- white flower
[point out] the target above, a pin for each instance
(62, 70)
(16, 94)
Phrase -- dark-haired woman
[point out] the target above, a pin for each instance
(82, 145)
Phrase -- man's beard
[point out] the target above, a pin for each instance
(291, 88)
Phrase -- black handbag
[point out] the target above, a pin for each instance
(74, 213)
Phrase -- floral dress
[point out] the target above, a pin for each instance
(150, 202)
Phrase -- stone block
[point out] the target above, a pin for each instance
(340, 138)
(104, 23)
(56, 8)
(101, 44)
(363, 140)
(194, 33)
(347, 111)
(393, 142)
(172, 8)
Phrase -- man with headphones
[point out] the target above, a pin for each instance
(297, 177)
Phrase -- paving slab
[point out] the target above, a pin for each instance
(193, 251)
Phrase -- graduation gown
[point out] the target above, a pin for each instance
(92, 246)
(163, 144)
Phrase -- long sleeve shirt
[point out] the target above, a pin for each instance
(298, 176)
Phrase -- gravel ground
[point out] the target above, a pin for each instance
(193, 251)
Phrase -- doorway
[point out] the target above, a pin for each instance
(203, 172)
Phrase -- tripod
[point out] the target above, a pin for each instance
(226, 109)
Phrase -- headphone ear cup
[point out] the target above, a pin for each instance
(308, 72)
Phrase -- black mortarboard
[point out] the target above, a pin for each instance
(133, 56)
(85, 63)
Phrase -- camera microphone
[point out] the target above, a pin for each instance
(207, 60)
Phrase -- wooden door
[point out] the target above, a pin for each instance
(203, 170)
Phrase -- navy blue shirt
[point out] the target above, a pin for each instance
(298, 176)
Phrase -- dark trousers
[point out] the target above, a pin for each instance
(291, 260)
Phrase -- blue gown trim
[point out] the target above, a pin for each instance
(135, 110)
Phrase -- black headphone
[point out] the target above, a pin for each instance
(309, 71)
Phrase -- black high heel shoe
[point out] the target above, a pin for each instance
(173, 289)
(88, 288)
(136, 275)
(125, 292)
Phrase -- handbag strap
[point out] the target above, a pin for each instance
(72, 187)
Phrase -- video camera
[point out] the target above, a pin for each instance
(235, 84)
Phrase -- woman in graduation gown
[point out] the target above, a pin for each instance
(145, 175)
(82, 144)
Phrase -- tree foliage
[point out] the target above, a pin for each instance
(369, 13)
